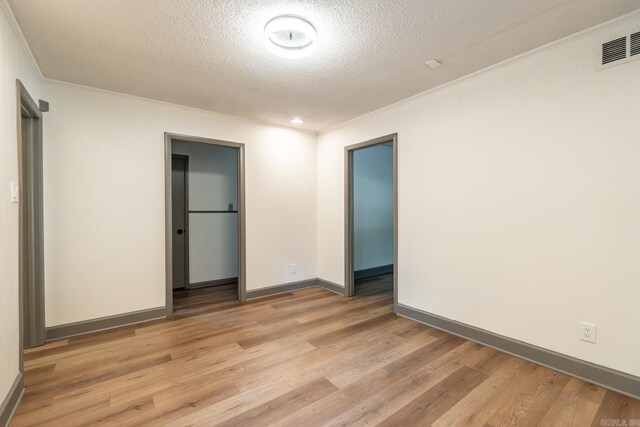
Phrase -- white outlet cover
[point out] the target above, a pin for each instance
(588, 332)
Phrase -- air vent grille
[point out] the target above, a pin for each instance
(614, 50)
(635, 44)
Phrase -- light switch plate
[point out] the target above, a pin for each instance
(15, 192)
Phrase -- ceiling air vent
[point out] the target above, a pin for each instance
(634, 40)
(622, 49)
(615, 50)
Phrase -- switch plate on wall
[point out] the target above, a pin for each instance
(15, 192)
(293, 269)
(588, 332)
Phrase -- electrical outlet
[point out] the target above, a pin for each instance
(588, 332)
(293, 269)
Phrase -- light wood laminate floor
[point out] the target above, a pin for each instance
(305, 358)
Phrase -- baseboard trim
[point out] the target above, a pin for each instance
(104, 323)
(216, 282)
(606, 377)
(280, 289)
(12, 400)
(333, 287)
(373, 271)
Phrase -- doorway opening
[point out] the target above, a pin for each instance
(371, 217)
(205, 221)
(31, 233)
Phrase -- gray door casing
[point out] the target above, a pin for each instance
(31, 231)
(180, 219)
(169, 228)
(348, 213)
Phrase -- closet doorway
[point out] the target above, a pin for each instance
(371, 217)
(205, 226)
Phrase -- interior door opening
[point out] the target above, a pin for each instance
(205, 221)
(30, 199)
(371, 217)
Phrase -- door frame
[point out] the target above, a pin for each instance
(186, 219)
(169, 137)
(31, 222)
(349, 279)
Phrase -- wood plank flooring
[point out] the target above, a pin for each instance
(305, 358)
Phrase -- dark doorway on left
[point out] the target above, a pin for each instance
(31, 230)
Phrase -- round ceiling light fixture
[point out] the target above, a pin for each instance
(290, 37)
(297, 121)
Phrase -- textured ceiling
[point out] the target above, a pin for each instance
(210, 54)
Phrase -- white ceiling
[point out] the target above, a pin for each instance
(210, 54)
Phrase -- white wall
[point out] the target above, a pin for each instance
(213, 247)
(13, 65)
(519, 199)
(213, 185)
(372, 207)
(104, 199)
(213, 175)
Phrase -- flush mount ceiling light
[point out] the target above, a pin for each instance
(297, 121)
(290, 37)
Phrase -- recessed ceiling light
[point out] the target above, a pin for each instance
(297, 121)
(290, 37)
(432, 63)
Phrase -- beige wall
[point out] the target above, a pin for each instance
(104, 199)
(519, 200)
(13, 65)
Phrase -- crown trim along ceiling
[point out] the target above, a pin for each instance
(211, 54)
